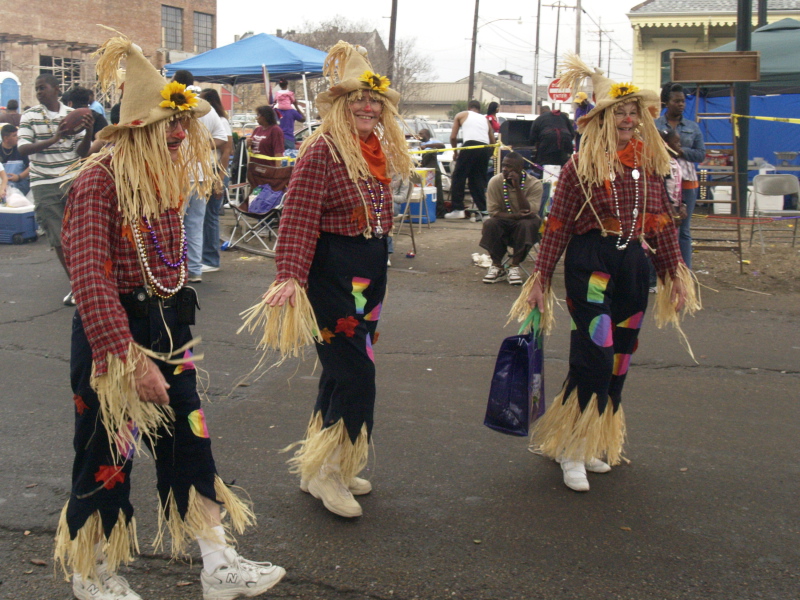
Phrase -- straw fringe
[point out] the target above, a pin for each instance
(520, 309)
(573, 71)
(286, 329)
(319, 444)
(664, 311)
(80, 556)
(196, 523)
(566, 432)
(120, 404)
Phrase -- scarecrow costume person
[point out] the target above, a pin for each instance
(331, 258)
(611, 213)
(132, 368)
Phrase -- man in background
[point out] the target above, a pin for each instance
(11, 114)
(473, 164)
(16, 166)
(430, 160)
(551, 134)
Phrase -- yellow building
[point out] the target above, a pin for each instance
(664, 26)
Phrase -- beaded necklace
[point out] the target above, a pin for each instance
(635, 176)
(160, 290)
(377, 206)
(505, 190)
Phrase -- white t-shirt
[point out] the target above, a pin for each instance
(213, 123)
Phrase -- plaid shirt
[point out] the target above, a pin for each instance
(322, 197)
(103, 263)
(660, 230)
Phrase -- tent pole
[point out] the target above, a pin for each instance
(308, 104)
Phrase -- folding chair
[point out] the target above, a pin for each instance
(261, 228)
(773, 185)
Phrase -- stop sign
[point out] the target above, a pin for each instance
(558, 94)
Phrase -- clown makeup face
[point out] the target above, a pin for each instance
(626, 120)
(176, 133)
(366, 114)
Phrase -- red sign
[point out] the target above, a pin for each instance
(558, 94)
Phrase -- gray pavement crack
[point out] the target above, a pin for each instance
(32, 318)
(17, 349)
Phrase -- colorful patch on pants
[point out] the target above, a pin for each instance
(598, 283)
(375, 313)
(633, 322)
(370, 353)
(359, 285)
(600, 331)
(197, 421)
(187, 366)
(621, 363)
(124, 447)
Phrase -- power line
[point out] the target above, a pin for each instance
(613, 41)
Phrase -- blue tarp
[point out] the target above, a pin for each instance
(241, 61)
(766, 137)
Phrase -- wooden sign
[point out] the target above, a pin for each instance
(715, 67)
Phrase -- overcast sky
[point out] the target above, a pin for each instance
(444, 34)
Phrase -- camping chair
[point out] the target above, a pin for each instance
(544, 208)
(773, 185)
(259, 227)
(398, 228)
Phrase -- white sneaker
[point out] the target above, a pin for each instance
(240, 577)
(514, 277)
(494, 274)
(69, 300)
(357, 486)
(595, 465)
(575, 475)
(455, 214)
(328, 486)
(208, 269)
(113, 587)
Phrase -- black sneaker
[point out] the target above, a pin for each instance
(494, 274)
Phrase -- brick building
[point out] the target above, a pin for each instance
(58, 37)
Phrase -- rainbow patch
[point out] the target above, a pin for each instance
(375, 313)
(187, 366)
(197, 421)
(124, 447)
(370, 353)
(598, 283)
(600, 331)
(572, 326)
(359, 285)
(621, 363)
(633, 322)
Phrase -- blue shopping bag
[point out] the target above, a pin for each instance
(516, 396)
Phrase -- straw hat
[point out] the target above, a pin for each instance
(148, 97)
(606, 92)
(348, 69)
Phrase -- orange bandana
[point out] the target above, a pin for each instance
(372, 151)
(629, 155)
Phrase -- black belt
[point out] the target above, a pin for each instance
(139, 296)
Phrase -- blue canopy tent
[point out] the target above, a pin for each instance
(250, 59)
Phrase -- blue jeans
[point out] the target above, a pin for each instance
(211, 241)
(193, 224)
(684, 233)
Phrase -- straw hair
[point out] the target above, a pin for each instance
(338, 129)
(320, 445)
(196, 523)
(80, 556)
(566, 432)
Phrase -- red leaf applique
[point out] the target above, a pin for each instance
(108, 266)
(110, 475)
(80, 405)
(127, 233)
(359, 216)
(327, 335)
(375, 337)
(347, 326)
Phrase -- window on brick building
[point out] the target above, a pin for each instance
(66, 70)
(203, 32)
(171, 27)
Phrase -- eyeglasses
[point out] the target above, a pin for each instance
(374, 104)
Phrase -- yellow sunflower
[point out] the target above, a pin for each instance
(177, 97)
(623, 89)
(376, 82)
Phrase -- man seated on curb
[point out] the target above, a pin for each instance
(513, 197)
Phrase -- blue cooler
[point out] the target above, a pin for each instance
(429, 212)
(17, 225)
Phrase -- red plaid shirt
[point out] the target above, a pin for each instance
(660, 231)
(322, 197)
(102, 261)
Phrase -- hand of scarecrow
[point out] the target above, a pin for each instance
(287, 292)
(150, 383)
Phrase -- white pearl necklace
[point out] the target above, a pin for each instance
(635, 176)
(160, 290)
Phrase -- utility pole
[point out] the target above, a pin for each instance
(392, 34)
(600, 31)
(608, 71)
(558, 6)
(471, 85)
(535, 91)
(578, 11)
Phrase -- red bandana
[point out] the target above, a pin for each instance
(372, 151)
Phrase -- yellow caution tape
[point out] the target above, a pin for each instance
(778, 119)
(453, 149)
(264, 157)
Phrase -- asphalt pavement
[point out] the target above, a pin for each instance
(707, 508)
